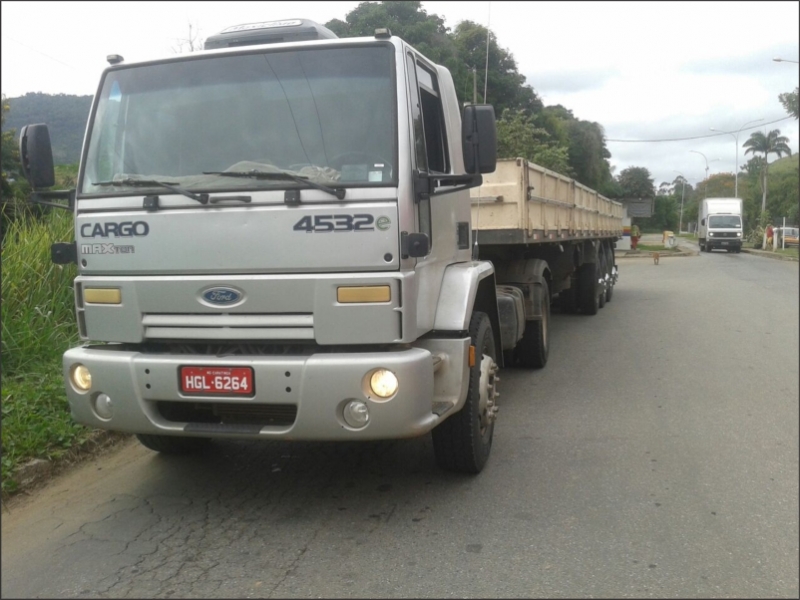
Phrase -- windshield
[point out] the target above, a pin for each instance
(725, 222)
(323, 114)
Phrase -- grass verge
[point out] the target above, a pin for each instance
(36, 421)
(38, 325)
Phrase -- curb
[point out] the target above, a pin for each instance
(768, 254)
(38, 470)
(649, 254)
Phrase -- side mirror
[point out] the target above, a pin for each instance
(36, 156)
(703, 222)
(479, 138)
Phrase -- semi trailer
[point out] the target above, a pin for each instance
(291, 236)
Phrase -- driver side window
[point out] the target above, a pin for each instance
(430, 133)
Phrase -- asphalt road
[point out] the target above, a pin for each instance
(655, 455)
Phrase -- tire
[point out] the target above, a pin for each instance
(567, 302)
(601, 301)
(610, 271)
(462, 442)
(172, 444)
(534, 347)
(588, 296)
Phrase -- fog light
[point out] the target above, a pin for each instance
(383, 383)
(356, 414)
(81, 378)
(103, 406)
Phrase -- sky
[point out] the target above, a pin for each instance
(657, 76)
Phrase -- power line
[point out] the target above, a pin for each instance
(700, 137)
(42, 53)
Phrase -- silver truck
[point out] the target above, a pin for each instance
(276, 239)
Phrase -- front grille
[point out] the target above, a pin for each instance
(724, 234)
(228, 413)
(228, 326)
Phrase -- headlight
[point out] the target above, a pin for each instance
(738, 234)
(81, 378)
(710, 234)
(383, 383)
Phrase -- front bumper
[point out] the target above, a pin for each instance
(735, 243)
(316, 385)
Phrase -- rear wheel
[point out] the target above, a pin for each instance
(610, 272)
(567, 300)
(588, 294)
(534, 348)
(171, 444)
(462, 442)
(601, 284)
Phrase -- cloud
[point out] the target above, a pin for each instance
(568, 81)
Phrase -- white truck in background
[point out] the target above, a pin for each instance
(720, 224)
(287, 236)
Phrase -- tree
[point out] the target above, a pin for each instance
(771, 143)
(192, 43)
(588, 155)
(518, 136)
(505, 85)
(636, 182)
(14, 189)
(408, 20)
(791, 103)
(460, 51)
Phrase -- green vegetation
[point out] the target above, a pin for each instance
(38, 325)
(66, 116)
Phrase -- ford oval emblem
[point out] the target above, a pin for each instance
(222, 296)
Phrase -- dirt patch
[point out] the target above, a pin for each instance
(37, 472)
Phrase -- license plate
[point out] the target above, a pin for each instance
(725, 243)
(225, 381)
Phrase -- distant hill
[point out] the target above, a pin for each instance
(784, 164)
(64, 114)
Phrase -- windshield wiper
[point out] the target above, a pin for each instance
(172, 186)
(282, 175)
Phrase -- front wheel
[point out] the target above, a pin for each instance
(462, 442)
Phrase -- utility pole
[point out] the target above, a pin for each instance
(474, 86)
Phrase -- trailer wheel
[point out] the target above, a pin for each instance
(172, 444)
(610, 273)
(462, 442)
(534, 346)
(601, 300)
(588, 294)
(567, 300)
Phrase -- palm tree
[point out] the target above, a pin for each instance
(771, 143)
